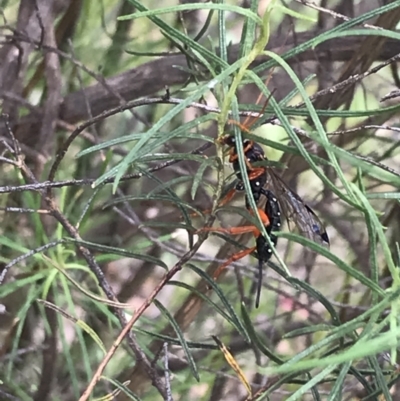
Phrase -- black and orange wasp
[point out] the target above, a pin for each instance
(266, 186)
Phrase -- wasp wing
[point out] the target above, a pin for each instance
(296, 210)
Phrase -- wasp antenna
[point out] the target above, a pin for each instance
(260, 114)
(259, 283)
(239, 124)
(269, 77)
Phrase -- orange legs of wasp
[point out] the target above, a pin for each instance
(233, 258)
(238, 255)
(247, 124)
(226, 199)
(232, 230)
(236, 231)
(256, 172)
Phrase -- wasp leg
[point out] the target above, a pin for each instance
(227, 198)
(241, 229)
(256, 172)
(233, 258)
(231, 230)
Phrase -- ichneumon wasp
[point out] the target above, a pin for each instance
(268, 189)
(263, 178)
(271, 218)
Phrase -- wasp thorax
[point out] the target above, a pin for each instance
(229, 140)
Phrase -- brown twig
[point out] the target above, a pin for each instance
(141, 357)
(175, 269)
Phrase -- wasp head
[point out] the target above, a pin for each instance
(228, 140)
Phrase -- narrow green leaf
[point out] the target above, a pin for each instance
(16, 246)
(360, 32)
(298, 395)
(294, 92)
(71, 306)
(174, 198)
(360, 377)
(163, 186)
(320, 129)
(233, 315)
(85, 327)
(383, 195)
(249, 31)
(381, 235)
(13, 286)
(295, 14)
(356, 21)
(197, 180)
(175, 341)
(336, 392)
(205, 298)
(171, 226)
(319, 297)
(369, 348)
(182, 131)
(31, 296)
(120, 252)
(222, 37)
(380, 379)
(307, 330)
(172, 156)
(195, 6)
(176, 34)
(181, 337)
(256, 339)
(336, 260)
(135, 198)
(123, 388)
(136, 151)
